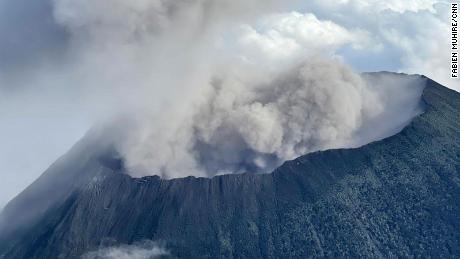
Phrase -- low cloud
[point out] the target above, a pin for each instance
(143, 250)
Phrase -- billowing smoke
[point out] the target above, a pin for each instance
(252, 126)
(189, 95)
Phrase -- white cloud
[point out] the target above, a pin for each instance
(425, 45)
(372, 6)
(144, 250)
(293, 36)
(415, 34)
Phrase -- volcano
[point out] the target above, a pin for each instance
(397, 197)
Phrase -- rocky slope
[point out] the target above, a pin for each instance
(399, 197)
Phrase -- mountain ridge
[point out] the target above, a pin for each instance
(342, 202)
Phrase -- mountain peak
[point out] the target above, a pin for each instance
(393, 197)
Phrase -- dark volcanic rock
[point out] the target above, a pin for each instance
(399, 197)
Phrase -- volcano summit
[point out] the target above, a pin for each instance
(396, 197)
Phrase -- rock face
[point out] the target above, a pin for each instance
(399, 197)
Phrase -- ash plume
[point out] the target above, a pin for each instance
(181, 94)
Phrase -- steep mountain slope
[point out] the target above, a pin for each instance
(395, 197)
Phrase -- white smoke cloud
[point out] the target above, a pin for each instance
(254, 126)
(133, 20)
(314, 106)
(189, 76)
(144, 250)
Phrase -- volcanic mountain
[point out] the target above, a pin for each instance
(397, 197)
